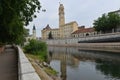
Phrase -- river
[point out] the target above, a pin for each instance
(75, 64)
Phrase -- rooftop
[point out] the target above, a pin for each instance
(83, 30)
(47, 27)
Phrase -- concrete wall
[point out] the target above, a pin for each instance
(26, 70)
(74, 41)
(68, 51)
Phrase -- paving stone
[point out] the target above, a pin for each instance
(24, 60)
(26, 68)
(30, 76)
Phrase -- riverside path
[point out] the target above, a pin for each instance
(9, 64)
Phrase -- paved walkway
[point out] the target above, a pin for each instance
(9, 64)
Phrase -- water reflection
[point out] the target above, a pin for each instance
(109, 68)
(75, 64)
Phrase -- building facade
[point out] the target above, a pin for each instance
(47, 30)
(65, 29)
(84, 32)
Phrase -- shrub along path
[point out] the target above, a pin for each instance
(9, 64)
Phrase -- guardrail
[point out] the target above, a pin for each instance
(25, 69)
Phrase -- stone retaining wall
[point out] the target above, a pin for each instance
(102, 46)
(112, 47)
(26, 70)
(110, 36)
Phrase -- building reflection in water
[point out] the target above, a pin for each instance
(73, 56)
(63, 67)
(65, 59)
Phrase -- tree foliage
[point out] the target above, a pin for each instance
(107, 22)
(37, 48)
(14, 14)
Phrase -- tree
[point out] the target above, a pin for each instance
(14, 14)
(107, 22)
(50, 36)
(114, 19)
(37, 48)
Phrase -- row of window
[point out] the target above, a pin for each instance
(84, 34)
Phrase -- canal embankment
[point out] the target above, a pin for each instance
(31, 68)
(99, 42)
(109, 47)
(25, 69)
(36, 53)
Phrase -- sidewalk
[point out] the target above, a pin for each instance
(9, 64)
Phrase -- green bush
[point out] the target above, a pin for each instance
(36, 47)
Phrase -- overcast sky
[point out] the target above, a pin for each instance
(84, 12)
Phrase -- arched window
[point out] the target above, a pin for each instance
(73, 35)
(87, 34)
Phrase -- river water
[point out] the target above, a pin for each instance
(75, 64)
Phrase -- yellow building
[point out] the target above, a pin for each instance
(65, 29)
(46, 31)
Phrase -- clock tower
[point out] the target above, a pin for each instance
(61, 15)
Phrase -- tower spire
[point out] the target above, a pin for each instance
(34, 32)
(34, 27)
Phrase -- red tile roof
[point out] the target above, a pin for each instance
(83, 30)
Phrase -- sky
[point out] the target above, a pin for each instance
(84, 12)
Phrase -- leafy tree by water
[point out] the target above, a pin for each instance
(107, 22)
(36, 47)
(14, 14)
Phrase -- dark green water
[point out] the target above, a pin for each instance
(74, 64)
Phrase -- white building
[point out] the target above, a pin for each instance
(32, 36)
